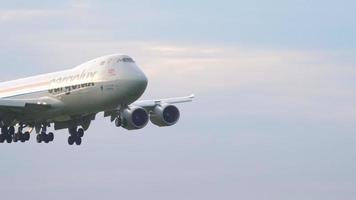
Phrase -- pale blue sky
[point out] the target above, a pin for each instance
(274, 116)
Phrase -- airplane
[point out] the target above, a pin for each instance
(71, 99)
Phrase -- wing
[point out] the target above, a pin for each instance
(149, 104)
(28, 105)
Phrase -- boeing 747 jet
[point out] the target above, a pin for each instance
(72, 98)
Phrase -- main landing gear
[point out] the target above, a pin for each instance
(9, 135)
(75, 136)
(44, 137)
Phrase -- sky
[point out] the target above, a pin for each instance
(273, 117)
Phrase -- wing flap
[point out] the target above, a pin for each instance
(7, 103)
(20, 105)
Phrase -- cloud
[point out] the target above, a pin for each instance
(228, 66)
(81, 4)
(75, 8)
(305, 84)
(15, 15)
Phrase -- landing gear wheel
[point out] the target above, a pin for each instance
(26, 135)
(8, 138)
(71, 140)
(78, 141)
(23, 138)
(50, 136)
(11, 130)
(44, 137)
(80, 132)
(15, 137)
(2, 138)
(73, 131)
(4, 130)
(39, 138)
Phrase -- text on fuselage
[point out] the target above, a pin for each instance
(65, 80)
(68, 89)
(67, 84)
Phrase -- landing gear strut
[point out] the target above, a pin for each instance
(118, 122)
(20, 136)
(75, 136)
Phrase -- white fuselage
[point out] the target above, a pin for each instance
(99, 85)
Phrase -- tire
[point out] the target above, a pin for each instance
(23, 139)
(2, 138)
(72, 131)
(45, 138)
(78, 141)
(81, 132)
(12, 130)
(8, 138)
(50, 136)
(4, 130)
(71, 140)
(26, 135)
(15, 137)
(39, 138)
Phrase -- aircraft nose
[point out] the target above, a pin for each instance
(139, 79)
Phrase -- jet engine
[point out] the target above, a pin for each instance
(165, 115)
(134, 118)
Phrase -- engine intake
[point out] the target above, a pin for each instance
(134, 118)
(164, 115)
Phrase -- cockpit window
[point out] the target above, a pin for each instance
(127, 60)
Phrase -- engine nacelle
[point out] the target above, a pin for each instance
(134, 118)
(165, 115)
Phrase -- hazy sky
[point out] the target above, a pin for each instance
(274, 116)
